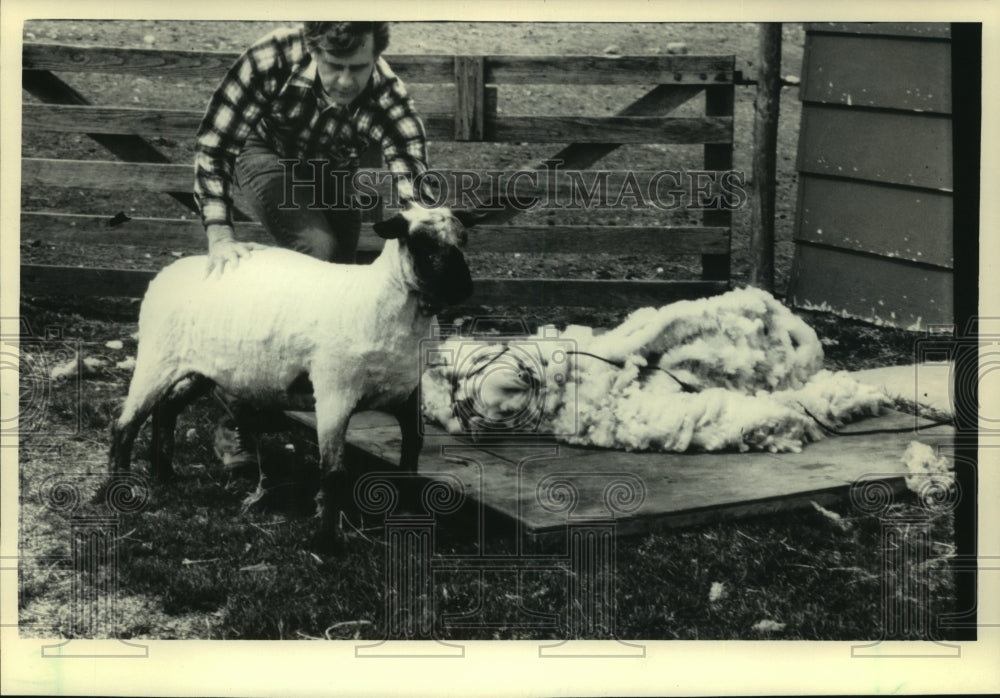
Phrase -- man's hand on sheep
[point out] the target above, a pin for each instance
(223, 249)
(356, 352)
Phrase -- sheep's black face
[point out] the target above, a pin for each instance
(441, 270)
(434, 238)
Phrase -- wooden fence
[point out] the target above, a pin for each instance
(458, 98)
(874, 223)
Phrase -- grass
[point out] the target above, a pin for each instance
(193, 564)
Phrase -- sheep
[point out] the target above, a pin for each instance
(285, 330)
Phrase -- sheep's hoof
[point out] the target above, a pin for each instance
(164, 477)
(328, 541)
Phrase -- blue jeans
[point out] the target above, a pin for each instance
(327, 232)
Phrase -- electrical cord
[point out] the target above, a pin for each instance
(868, 432)
(688, 388)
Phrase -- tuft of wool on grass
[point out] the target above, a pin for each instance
(76, 366)
(768, 626)
(755, 369)
(926, 470)
(831, 516)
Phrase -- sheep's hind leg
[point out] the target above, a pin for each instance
(334, 495)
(165, 412)
(123, 433)
(145, 390)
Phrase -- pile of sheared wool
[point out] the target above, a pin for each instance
(755, 369)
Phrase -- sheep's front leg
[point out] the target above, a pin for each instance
(408, 416)
(332, 416)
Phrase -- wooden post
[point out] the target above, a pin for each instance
(470, 97)
(718, 157)
(765, 138)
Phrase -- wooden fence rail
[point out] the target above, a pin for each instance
(415, 68)
(459, 101)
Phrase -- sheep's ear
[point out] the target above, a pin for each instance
(395, 227)
(468, 218)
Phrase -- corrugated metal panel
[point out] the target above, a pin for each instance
(897, 148)
(878, 72)
(924, 30)
(891, 221)
(870, 288)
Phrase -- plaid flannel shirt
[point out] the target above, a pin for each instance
(273, 89)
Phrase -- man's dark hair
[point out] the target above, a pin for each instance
(343, 38)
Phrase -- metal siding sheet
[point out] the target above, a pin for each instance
(878, 72)
(889, 221)
(924, 30)
(896, 148)
(870, 288)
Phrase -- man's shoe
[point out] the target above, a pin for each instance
(235, 449)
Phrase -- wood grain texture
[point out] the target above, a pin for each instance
(528, 189)
(618, 240)
(48, 280)
(674, 490)
(179, 123)
(612, 129)
(596, 70)
(680, 78)
(469, 98)
(191, 64)
(587, 293)
(662, 99)
(103, 174)
(416, 68)
(719, 101)
(51, 89)
(185, 234)
(176, 123)
(765, 144)
(435, 104)
(542, 239)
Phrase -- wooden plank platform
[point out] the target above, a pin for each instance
(544, 485)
